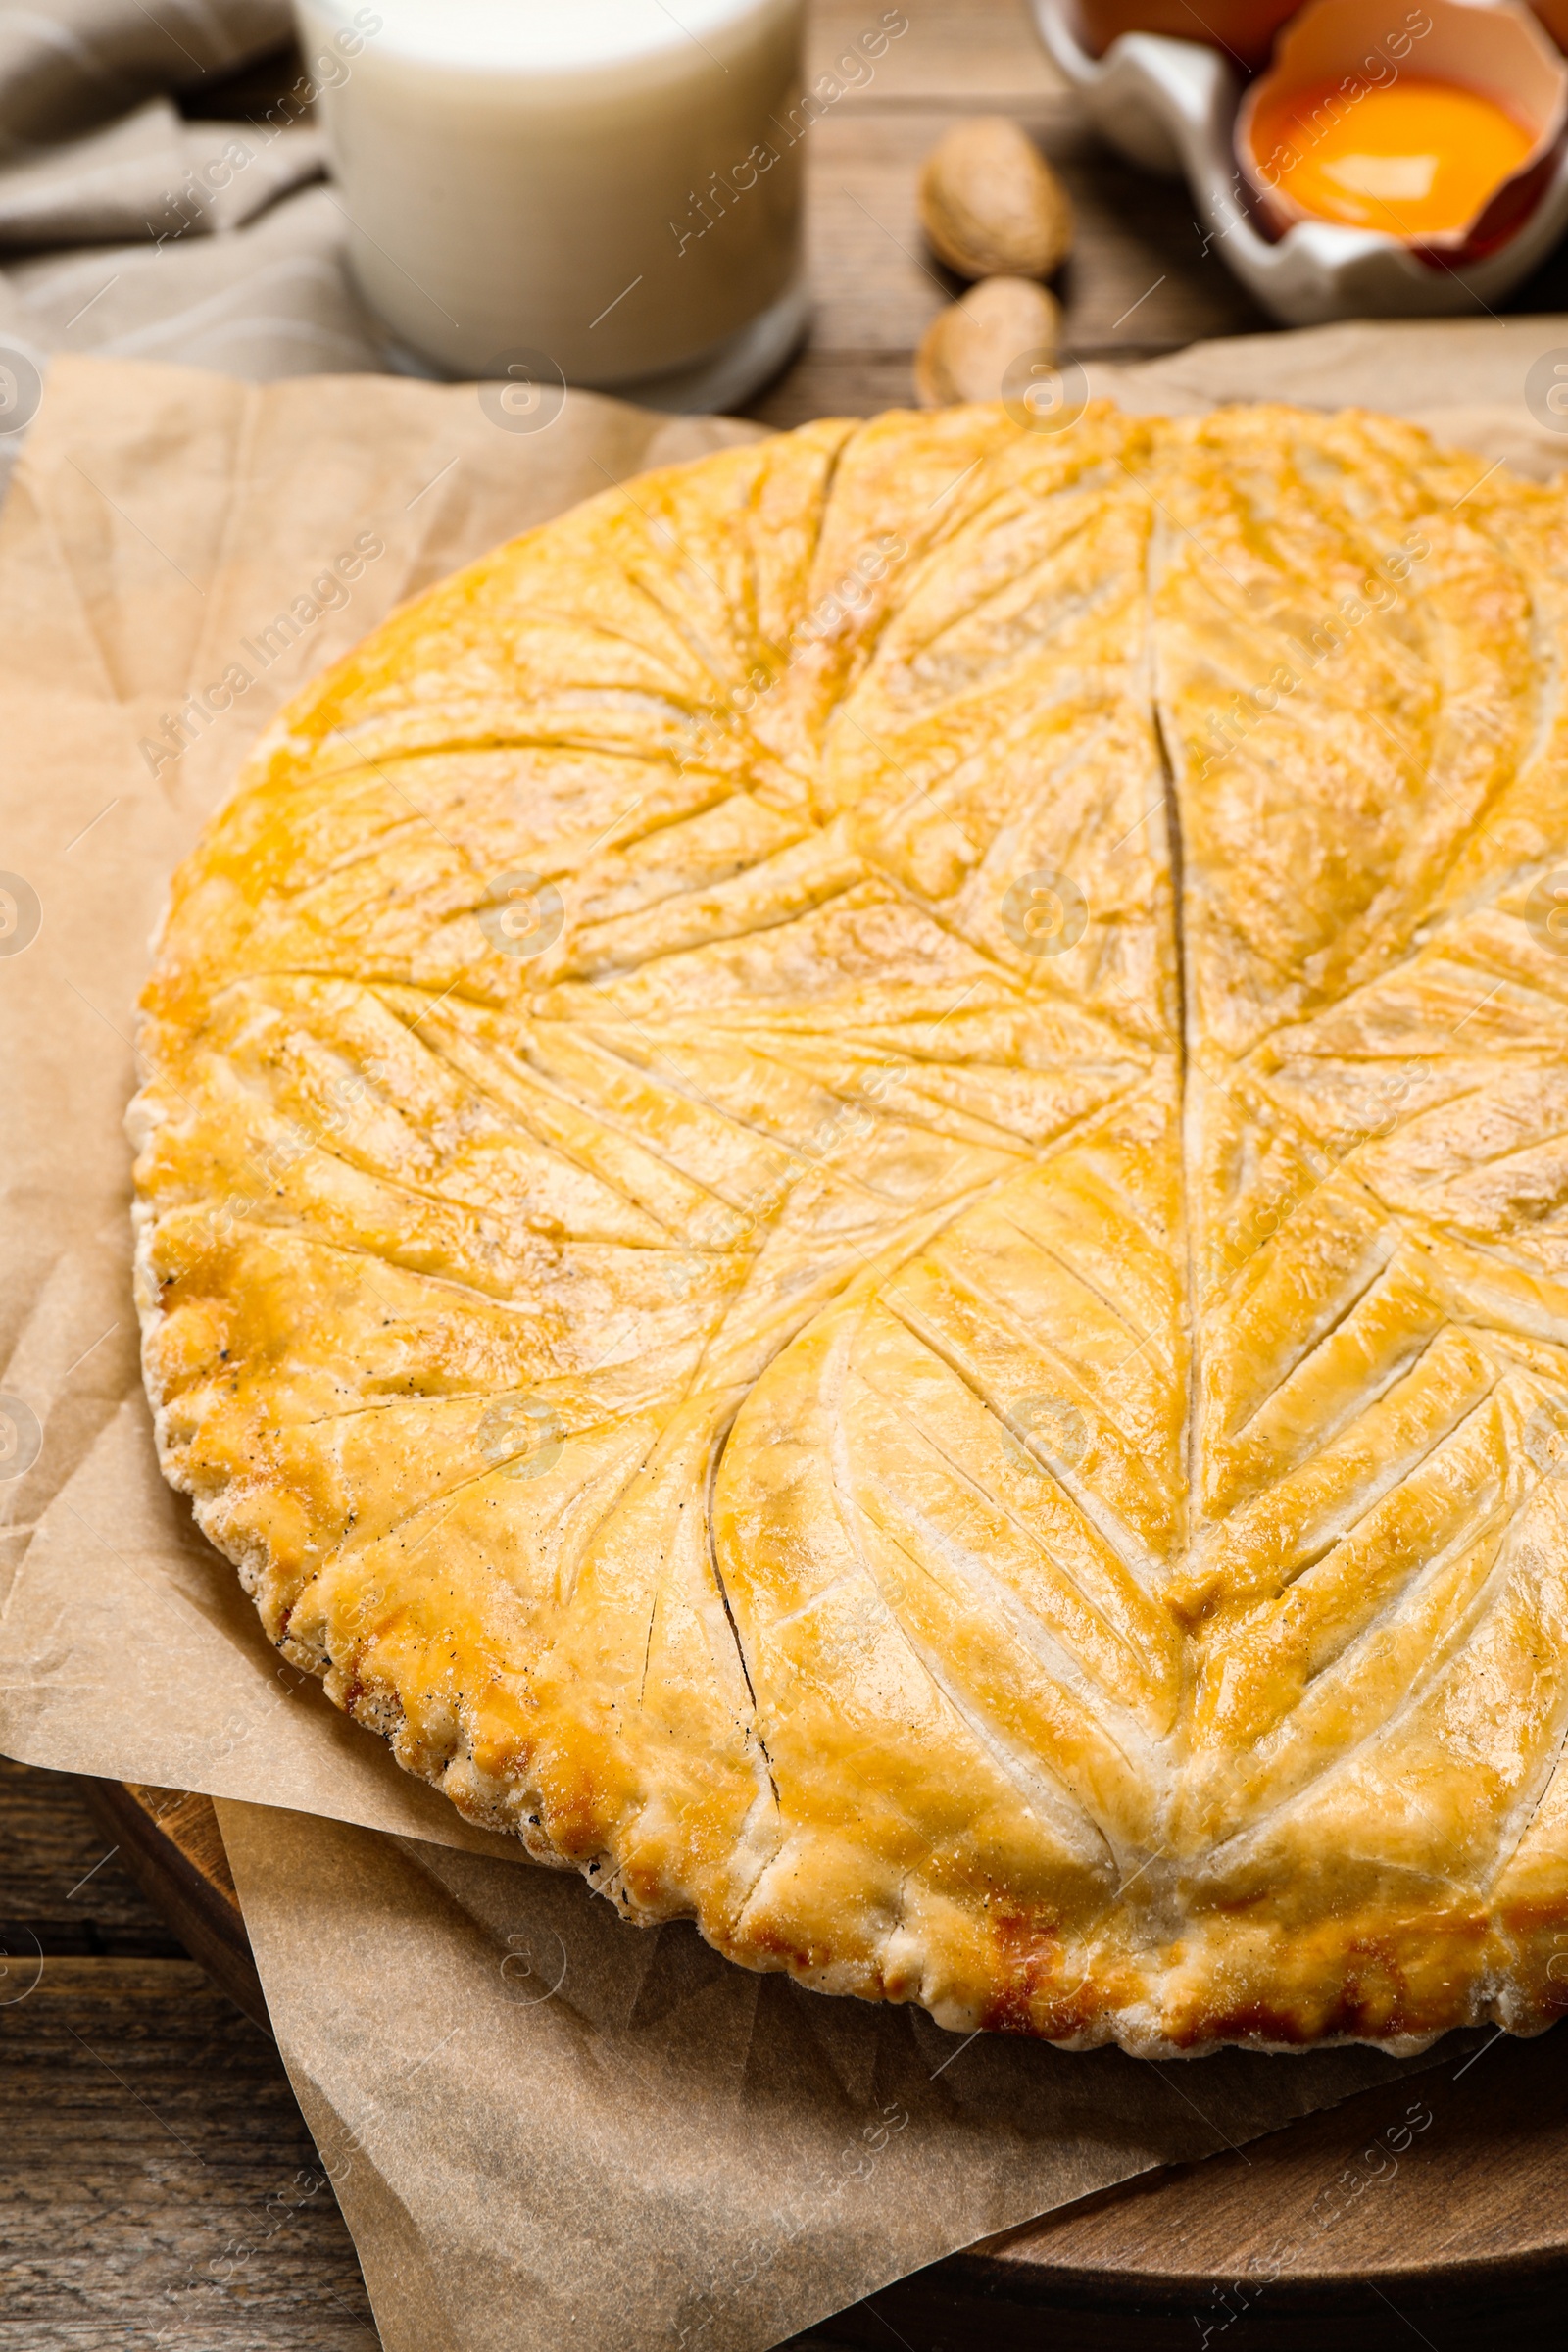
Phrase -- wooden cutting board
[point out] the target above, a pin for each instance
(1431, 2210)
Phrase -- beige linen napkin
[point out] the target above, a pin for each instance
(152, 175)
(125, 229)
(66, 65)
(268, 300)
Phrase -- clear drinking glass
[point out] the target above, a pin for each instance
(609, 188)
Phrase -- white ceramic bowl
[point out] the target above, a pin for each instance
(1170, 107)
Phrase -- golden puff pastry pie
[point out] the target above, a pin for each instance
(854, 1194)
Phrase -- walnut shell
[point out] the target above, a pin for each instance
(967, 346)
(990, 204)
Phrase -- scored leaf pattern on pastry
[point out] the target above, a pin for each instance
(854, 1194)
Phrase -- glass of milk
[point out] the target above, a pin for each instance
(603, 192)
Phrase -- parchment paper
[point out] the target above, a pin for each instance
(549, 2129)
(656, 2142)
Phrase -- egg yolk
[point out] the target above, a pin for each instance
(1416, 158)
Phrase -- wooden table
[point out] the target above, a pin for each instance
(158, 2185)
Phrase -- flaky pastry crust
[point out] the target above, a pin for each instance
(853, 1194)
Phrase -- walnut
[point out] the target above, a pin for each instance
(990, 204)
(967, 346)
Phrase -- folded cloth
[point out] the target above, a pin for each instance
(67, 64)
(128, 228)
(268, 300)
(151, 175)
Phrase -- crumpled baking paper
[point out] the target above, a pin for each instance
(540, 2121)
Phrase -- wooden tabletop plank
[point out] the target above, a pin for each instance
(157, 2186)
(970, 53)
(59, 1876)
(1442, 2171)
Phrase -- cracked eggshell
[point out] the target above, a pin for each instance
(1170, 107)
(1498, 51)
